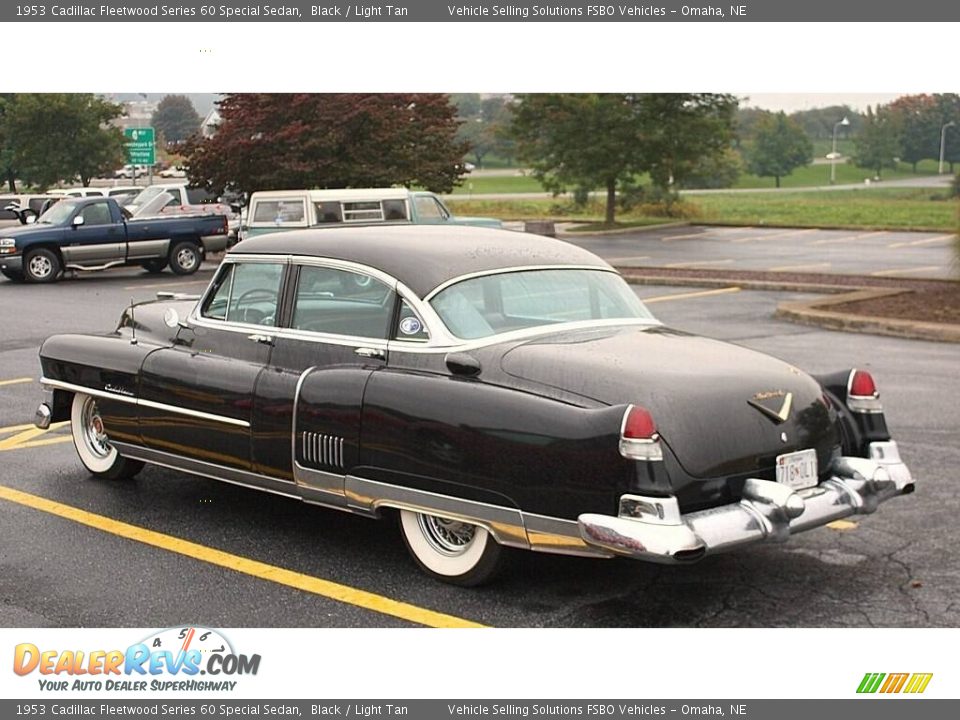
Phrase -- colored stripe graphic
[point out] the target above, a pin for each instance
(918, 683)
(895, 683)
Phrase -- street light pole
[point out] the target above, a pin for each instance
(833, 154)
(943, 144)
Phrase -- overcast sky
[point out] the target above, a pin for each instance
(790, 102)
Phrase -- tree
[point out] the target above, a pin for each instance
(779, 147)
(175, 119)
(916, 118)
(6, 148)
(589, 141)
(878, 142)
(947, 109)
(62, 136)
(276, 142)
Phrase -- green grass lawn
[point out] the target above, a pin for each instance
(819, 175)
(482, 185)
(883, 208)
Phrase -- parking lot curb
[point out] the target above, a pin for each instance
(563, 229)
(816, 311)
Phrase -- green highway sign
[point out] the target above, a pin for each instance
(139, 144)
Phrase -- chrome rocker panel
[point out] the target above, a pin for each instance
(653, 529)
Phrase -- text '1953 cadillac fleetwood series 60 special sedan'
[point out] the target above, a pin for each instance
(491, 388)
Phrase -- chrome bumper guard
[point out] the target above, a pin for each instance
(651, 528)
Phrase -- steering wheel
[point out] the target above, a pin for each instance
(252, 315)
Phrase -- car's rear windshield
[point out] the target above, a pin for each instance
(493, 304)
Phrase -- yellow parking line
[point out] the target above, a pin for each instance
(811, 266)
(686, 236)
(26, 436)
(698, 263)
(905, 271)
(842, 525)
(687, 296)
(939, 239)
(776, 235)
(16, 381)
(55, 440)
(850, 238)
(237, 563)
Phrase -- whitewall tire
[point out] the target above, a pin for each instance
(93, 446)
(450, 550)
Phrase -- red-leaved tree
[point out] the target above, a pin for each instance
(267, 141)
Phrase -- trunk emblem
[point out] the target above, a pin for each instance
(770, 404)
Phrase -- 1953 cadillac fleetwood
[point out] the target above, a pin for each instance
(494, 388)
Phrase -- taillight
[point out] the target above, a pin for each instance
(862, 395)
(639, 439)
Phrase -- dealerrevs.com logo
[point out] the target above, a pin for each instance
(887, 683)
(171, 659)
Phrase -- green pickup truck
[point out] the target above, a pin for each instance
(278, 210)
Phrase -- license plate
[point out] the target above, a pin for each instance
(797, 470)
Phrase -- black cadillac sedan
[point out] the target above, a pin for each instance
(490, 388)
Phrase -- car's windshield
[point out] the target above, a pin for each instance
(499, 303)
(148, 194)
(58, 213)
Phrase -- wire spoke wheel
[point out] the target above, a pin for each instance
(92, 442)
(454, 551)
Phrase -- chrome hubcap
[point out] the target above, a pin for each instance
(186, 259)
(450, 537)
(94, 434)
(40, 266)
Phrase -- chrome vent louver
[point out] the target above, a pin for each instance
(319, 449)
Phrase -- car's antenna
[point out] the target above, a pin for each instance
(133, 325)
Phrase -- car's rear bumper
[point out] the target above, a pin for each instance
(650, 528)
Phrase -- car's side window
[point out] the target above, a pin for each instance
(96, 214)
(409, 325)
(428, 209)
(246, 293)
(279, 212)
(341, 302)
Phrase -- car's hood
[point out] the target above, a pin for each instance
(703, 393)
(14, 231)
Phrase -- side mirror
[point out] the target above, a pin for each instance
(77, 221)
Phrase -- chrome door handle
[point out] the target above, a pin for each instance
(262, 339)
(370, 353)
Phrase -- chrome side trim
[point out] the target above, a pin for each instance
(555, 535)
(60, 385)
(242, 478)
(320, 486)
(505, 524)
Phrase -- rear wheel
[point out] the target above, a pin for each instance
(41, 266)
(93, 446)
(154, 266)
(450, 550)
(185, 258)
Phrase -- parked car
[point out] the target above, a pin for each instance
(132, 172)
(25, 208)
(273, 211)
(492, 388)
(80, 192)
(96, 233)
(174, 171)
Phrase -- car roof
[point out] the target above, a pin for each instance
(336, 194)
(423, 257)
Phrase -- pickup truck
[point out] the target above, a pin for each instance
(96, 234)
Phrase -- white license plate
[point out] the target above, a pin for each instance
(797, 470)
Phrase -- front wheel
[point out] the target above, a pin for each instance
(453, 551)
(185, 258)
(41, 266)
(93, 446)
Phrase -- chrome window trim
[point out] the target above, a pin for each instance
(441, 339)
(60, 385)
(512, 269)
